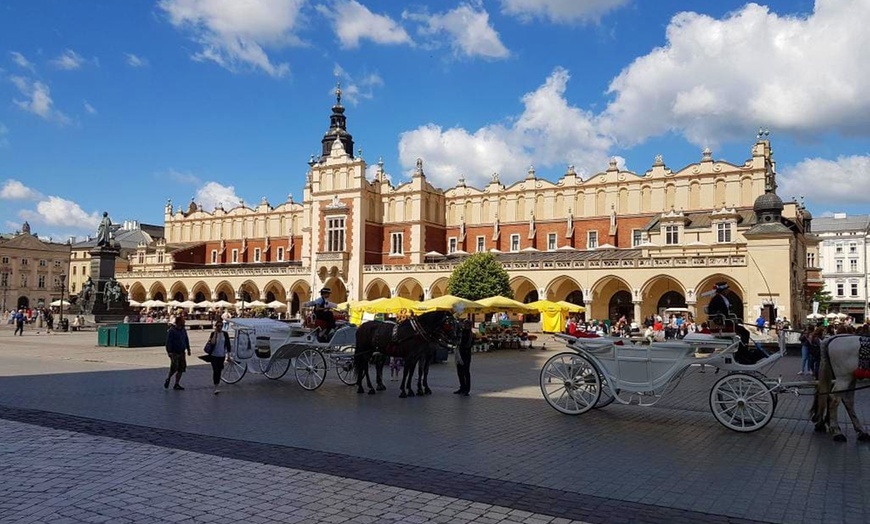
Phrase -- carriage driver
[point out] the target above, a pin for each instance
(323, 311)
(719, 311)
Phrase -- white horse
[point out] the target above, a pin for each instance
(837, 382)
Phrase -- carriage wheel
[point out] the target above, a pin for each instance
(274, 368)
(345, 371)
(607, 395)
(570, 383)
(741, 402)
(310, 369)
(233, 371)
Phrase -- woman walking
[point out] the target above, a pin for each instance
(220, 343)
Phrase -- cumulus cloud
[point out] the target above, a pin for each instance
(235, 35)
(57, 211)
(15, 190)
(69, 60)
(353, 22)
(22, 62)
(825, 181)
(353, 90)
(718, 79)
(468, 29)
(38, 100)
(135, 60)
(212, 194)
(561, 11)
(181, 177)
(549, 131)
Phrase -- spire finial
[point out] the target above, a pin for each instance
(338, 93)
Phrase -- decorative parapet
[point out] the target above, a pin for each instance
(638, 263)
(216, 272)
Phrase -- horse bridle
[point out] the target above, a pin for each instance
(428, 337)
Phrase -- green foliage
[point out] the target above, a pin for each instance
(823, 297)
(480, 276)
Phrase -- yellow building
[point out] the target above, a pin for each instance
(32, 271)
(619, 242)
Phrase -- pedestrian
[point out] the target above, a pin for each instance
(19, 323)
(219, 341)
(759, 324)
(463, 359)
(176, 344)
(806, 356)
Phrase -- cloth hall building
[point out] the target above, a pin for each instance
(618, 242)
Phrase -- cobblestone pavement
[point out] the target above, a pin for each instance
(503, 446)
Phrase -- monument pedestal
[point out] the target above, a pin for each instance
(103, 259)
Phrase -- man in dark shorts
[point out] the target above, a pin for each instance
(176, 344)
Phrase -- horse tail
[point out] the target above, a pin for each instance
(361, 352)
(819, 411)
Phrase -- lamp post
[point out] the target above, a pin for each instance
(62, 280)
(4, 284)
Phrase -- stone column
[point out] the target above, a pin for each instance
(637, 312)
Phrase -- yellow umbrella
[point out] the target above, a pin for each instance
(547, 306)
(448, 303)
(552, 315)
(391, 305)
(499, 303)
(572, 308)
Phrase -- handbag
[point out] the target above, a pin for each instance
(209, 346)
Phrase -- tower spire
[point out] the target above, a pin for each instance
(337, 128)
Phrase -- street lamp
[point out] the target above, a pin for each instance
(62, 280)
(4, 284)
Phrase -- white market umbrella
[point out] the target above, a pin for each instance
(156, 303)
(59, 303)
(815, 316)
(221, 304)
(276, 304)
(433, 254)
(173, 303)
(187, 304)
(255, 303)
(134, 303)
(203, 304)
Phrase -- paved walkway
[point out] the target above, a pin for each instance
(502, 449)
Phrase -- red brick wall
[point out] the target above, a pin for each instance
(387, 240)
(374, 238)
(436, 239)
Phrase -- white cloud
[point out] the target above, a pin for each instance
(561, 11)
(823, 181)
(69, 60)
(15, 190)
(235, 34)
(355, 89)
(468, 29)
(717, 80)
(22, 62)
(39, 100)
(212, 193)
(549, 131)
(353, 22)
(89, 108)
(57, 211)
(182, 177)
(135, 60)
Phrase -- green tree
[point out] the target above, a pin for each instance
(823, 297)
(479, 276)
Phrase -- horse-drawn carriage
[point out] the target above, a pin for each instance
(271, 347)
(602, 370)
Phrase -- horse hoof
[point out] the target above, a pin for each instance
(411, 393)
(420, 392)
(820, 428)
(360, 390)
(863, 437)
(840, 438)
(403, 395)
(382, 387)
(371, 392)
(428, 391)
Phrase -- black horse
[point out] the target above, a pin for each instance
(409, 340)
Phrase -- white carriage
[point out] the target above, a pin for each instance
(271, 347)
(602, 370)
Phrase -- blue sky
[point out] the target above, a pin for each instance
(117, 106)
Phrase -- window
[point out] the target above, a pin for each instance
(853, 247)
(335, 234)
(853, 265)
(636, 237)
(397, 243)
(160, 257)
(451, 245)
(551, 242)
(23, 280)
(213, 256)
(811, 260)
(24, 261)
(74, 270)
(235, 256)
(723, 232)
(672, 235)
(481, 244)
(839, 266)
(5, 260)
(839, 290)
(854, 289)
(515, 242)
(256, 254)
(592, 239)
(4, 279)
(43, 263)
(72, 287)
(57, 263)
(839, 249)
(280, 254)
(141, 257)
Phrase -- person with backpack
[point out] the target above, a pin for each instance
(19, 322)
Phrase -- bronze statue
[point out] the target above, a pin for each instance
(87, 294)
(112, 293)
(104, 234)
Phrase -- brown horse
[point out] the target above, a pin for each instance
(837, 383)
(410, 340)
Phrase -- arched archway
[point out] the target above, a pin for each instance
(224, 291)
(23, 302)
(178, 291)
(438, 288)
(248, 291)
(136, 292)
(563, 287)
(603, 304)
(620, 306)
(377, 288)
(157, 291)
(274, 290)
(339, 290)
(201, 292)
(671, 299)
(661, 292)
(410, 288)
(300, 292)
(734, 293)
(524, 290)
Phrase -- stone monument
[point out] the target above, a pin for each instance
(105, 299)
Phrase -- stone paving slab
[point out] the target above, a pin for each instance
(674, 455)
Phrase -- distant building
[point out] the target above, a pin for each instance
(843, 252)
(618, 242)
(129, 235)
(30, 270)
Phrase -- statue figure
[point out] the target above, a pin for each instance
(87, 294)
(112, 293)
(104, 234)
